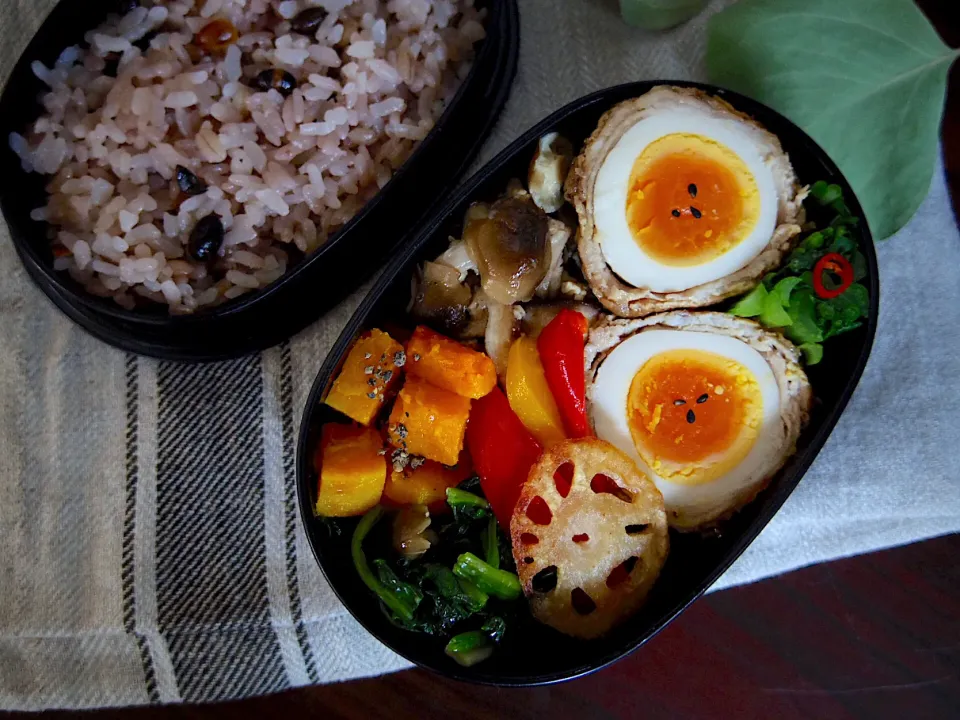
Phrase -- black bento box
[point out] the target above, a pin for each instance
(272, 314)
(531, 653)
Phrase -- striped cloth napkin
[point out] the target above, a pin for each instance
(152, 547)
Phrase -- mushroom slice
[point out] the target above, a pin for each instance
(440, 299)
(589, 536)
(502, 328)
(548, 170)
(510, 248)
(558, 237)
(458, 257)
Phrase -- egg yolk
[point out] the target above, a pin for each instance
(690, 200)
(693, 414)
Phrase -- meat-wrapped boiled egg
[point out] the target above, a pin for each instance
(682, 201)
(708, 405)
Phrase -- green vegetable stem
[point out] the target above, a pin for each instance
(491, 543)
(462, 500)
(489, 579)
(398, 599)
(470, 648)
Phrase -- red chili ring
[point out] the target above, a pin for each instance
(838, 265)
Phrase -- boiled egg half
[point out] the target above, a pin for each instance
(682, 199)
(709, 406)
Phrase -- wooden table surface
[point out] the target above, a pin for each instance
(876, 636)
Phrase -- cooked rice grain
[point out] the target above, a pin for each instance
(282, 172)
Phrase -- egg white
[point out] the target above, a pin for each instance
(621, 251)
(609, 397)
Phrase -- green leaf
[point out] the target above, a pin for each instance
(405, 592)
(825, 194)
(783, 289)
(751, 304)
(813, 241)
(812, 353)
(803, 327)
(844, 312)
(495, 627)
(865, 78)
(842, 243)
(774, 315)
(659, 14)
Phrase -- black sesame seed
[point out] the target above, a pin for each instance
(691, 417)
(696, 213)
(637, 529)
(527, 560)
(692, 189)
(679, 401)
(702, 399)
(675, 213)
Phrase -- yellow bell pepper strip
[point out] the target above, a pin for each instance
(449, 365)
(352, 470)
(561, 346)
(369, 374)
(529, 394)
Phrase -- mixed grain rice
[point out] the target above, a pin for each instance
(282, 173)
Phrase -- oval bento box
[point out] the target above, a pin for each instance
(532, 653)
(267, 316)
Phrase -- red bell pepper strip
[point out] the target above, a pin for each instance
(503, 451)
(561, 347)
(838, 265)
